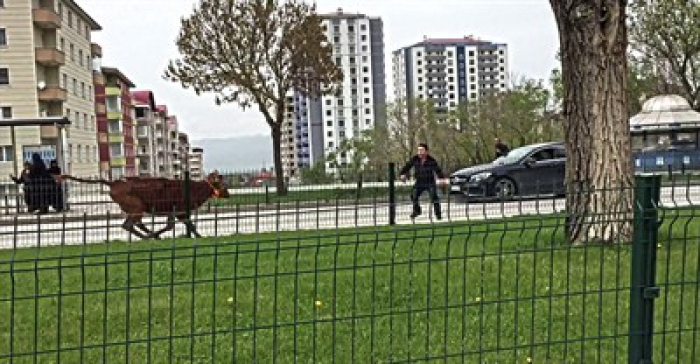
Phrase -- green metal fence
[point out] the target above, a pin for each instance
(497, 289)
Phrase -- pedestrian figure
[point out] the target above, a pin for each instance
(56, 190)
(40, 185)
(502, 149)
(425, 169)
(23, 179)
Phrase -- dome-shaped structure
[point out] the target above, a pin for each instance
(665, 135)
(665, 111)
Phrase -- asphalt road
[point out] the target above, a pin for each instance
(78, 228)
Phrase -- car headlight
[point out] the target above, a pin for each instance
(480, 177)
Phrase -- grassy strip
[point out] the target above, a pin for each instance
(500, 291)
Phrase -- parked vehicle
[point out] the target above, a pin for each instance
(537, 169)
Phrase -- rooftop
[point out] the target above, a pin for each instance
(665, 111)
(144, 97)
(464, 41)
(81, 13)
(111, 71)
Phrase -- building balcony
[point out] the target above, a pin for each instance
(436, 66)
(46, 18)
(435, 83)
(434, 57)
(113, 91)
(116, 138)
(487, 82)
(483, 65)
(117, 161)
(96, 50)
(114, 115)
(439, 74)
(49, 57)
(53, 93)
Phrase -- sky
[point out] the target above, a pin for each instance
(138, 37)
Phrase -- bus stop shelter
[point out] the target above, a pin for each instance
(60, 123)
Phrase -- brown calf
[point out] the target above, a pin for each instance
(138, 196)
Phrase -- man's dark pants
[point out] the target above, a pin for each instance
(418, 190)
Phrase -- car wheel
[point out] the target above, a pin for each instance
(505, 188)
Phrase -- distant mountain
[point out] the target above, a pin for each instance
(237, 153)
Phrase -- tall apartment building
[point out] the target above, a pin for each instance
(448, 71)
(115, 123)
(162, 142)
(318, 125)
(181, 155)
(196, 163)
(46, 70)
(146, 113)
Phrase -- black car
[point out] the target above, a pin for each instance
(530, 170)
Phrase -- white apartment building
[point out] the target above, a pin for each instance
(449, 70)
(317, 126)
(196, 163)
(46, 70)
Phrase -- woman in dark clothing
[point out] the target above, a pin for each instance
(56, 195)
(23, 179)
(40, 184)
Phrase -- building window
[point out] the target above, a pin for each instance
(75, 87)
(60, 9)
(82, 89)
(87, 32)
(3, 37)
(6, 153)
(2, 3)
(72, 52)
(77, 118)
(63, 45)
(65, 81)
(85, 121)
(80, 57)
(70, 18)
(4, 76)
(5, 112)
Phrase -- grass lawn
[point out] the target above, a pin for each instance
(481, 293)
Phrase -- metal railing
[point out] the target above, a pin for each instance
(493, 281)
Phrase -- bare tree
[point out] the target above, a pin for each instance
(256, 52)
(599, 175)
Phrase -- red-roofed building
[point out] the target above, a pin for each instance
(115, 123)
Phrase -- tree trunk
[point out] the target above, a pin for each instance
(279, 167)
(599, 174)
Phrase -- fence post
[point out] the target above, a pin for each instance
(643, 289)
(392, 193)
(358, 192)
(188, 200)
